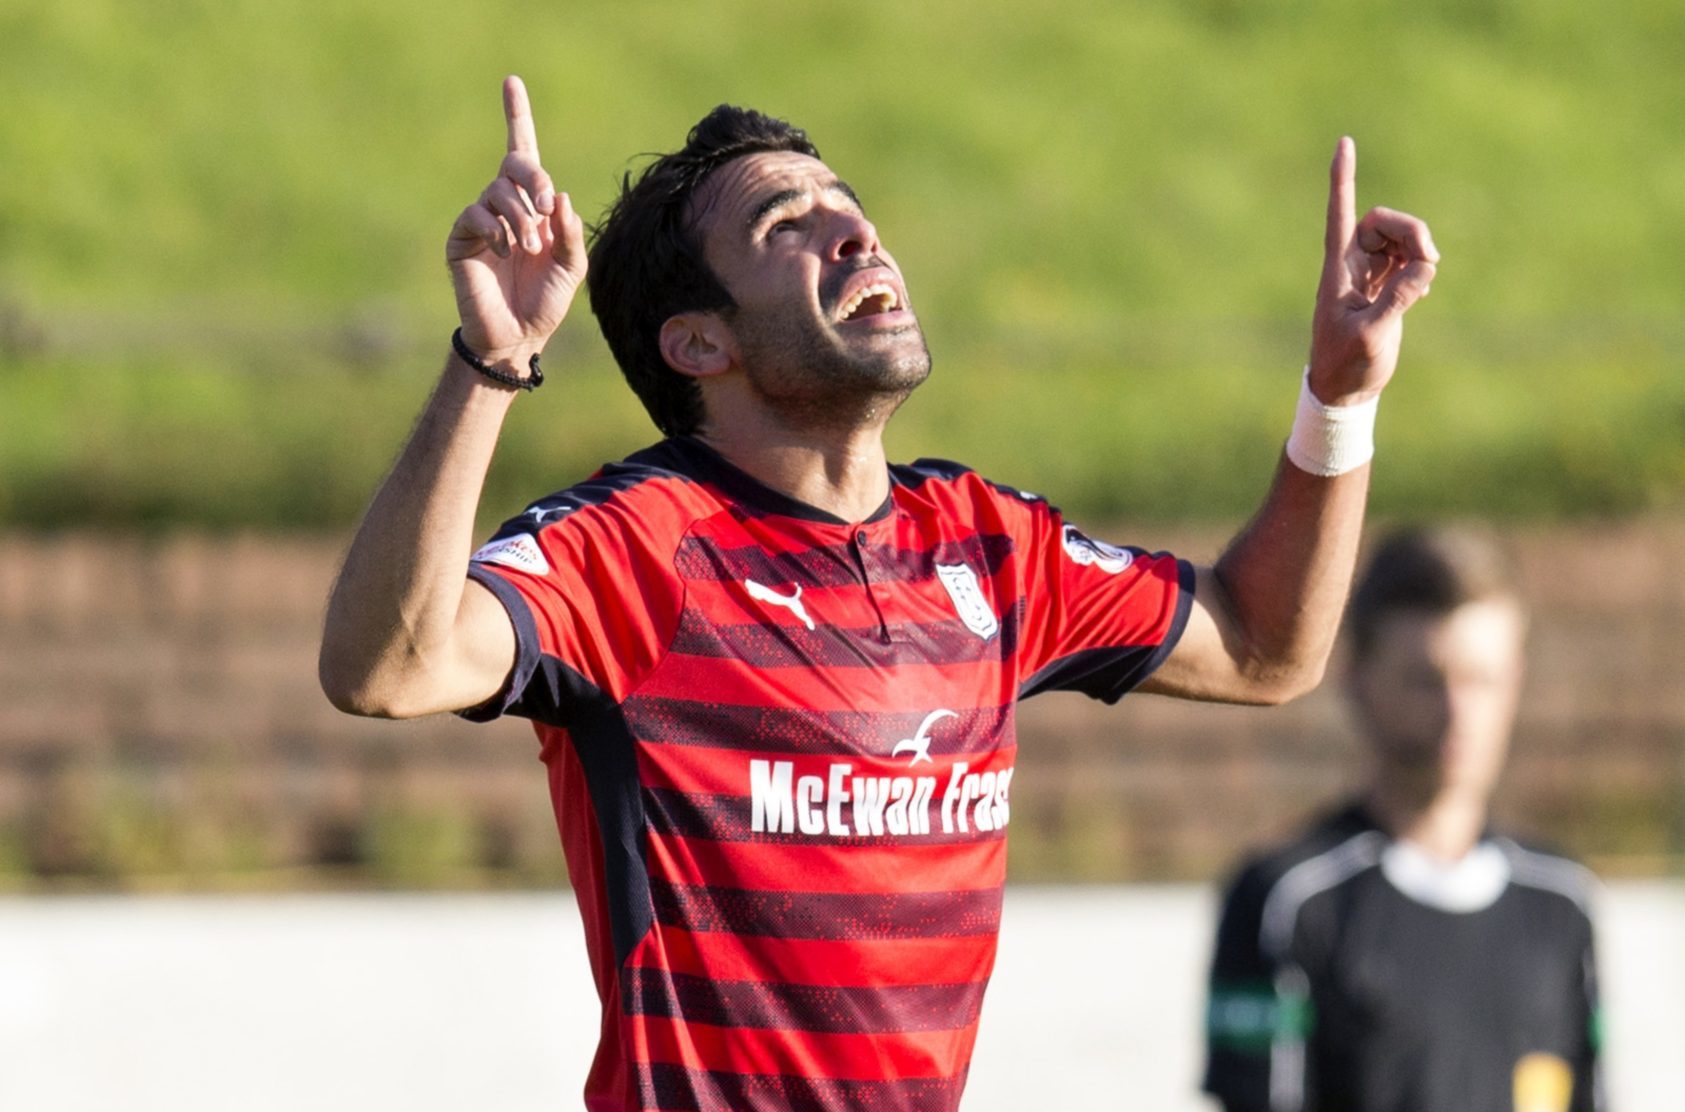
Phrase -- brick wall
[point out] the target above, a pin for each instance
(159, 718)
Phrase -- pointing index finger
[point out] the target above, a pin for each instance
(1342, 205)
(517, 110)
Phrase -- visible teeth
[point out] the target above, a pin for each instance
(885, 293)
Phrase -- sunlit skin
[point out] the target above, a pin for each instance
(1436, 697)
(788, 384)
(792, 244)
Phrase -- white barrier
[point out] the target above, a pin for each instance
(483, 1002)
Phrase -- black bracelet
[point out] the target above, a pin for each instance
(532, 383)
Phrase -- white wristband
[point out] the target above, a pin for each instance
(1330, 440)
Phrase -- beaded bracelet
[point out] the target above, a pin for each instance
(532, 382)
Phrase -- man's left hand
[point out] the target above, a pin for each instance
(1373, 270)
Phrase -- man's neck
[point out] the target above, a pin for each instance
(825, 450)
(844, 474)
(1446, 824)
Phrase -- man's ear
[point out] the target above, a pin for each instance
(698, 344)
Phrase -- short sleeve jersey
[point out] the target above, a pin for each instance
(781, 749)
(1354, 974)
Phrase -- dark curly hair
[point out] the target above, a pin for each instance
(647, 262)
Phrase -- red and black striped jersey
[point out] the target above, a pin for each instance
(781, 748)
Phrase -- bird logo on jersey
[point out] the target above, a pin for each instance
(791, 602)
(919, 743)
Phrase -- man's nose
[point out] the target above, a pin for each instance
(1425, 705)
(1465, 700)
(851, 234)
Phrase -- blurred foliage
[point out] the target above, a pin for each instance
(222, 299)
(100, 824)
(412, 848)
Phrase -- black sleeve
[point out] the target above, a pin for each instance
(1242, 1015)
(1588, 1070)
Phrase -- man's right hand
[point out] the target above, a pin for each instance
(517, 255)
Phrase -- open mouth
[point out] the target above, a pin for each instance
(870, 301)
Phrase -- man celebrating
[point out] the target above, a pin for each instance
(1399, 956)
(773, 677)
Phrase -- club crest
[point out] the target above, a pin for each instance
(973, 609)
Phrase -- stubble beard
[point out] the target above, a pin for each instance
(810, 379)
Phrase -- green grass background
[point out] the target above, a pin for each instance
(222, 299)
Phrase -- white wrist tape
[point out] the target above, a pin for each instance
(1330, 440)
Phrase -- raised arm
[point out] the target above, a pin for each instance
(406, 632)
(1265, 616)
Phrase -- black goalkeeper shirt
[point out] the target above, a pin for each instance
(1354, 974)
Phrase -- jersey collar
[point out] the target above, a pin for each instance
(690, 456)
(1473, 883)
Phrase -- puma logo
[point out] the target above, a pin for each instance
(791, 602)
(919, 743)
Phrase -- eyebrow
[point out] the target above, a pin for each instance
(783, 197)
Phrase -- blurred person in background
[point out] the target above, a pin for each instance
(773, 677)
(1400, 955)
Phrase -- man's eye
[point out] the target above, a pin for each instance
(781, 226)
